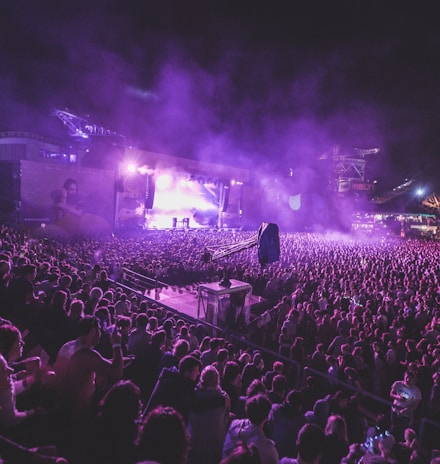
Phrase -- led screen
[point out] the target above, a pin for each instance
(66, 200)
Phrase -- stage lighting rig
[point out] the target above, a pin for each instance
(81, 128)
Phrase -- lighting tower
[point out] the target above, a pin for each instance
(347, 167)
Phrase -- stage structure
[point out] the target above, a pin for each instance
(158, 191)
(347, 169)
(227, 307)
(127, 187)
(82, 128)
(227, 303)
(168, 199)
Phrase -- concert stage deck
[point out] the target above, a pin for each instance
(186, 301)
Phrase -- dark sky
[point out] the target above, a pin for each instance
(253, 83)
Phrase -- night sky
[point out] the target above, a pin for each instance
(257, 84)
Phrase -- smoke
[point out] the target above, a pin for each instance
(245, 91)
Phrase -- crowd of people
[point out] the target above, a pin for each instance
(92, 372)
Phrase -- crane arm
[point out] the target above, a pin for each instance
(214, 253)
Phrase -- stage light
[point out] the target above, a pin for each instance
(131, 168)
(143, 170)
(420, 191)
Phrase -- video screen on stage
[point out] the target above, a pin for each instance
(66, 200)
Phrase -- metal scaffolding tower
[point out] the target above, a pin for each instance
(347, 167)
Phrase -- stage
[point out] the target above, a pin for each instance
(185, 301)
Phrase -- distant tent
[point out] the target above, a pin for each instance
(268, 244)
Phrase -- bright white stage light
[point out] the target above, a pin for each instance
(144, 170)
(131, 168)
(420, 191)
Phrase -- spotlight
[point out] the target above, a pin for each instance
(131, 168)
(144, 170)
(420, 191)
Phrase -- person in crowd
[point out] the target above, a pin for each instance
(164, 438)
(91, 304)
(83, 293)
(284, 422)
(255, 388)
(310, 445)
(48, 286)
(103, 282)
(86, 337)
(53, 328)
(145, 367)
(22, 304)
(11, 451)
(380, 370)
(319, 414)
(243, 453)
(222, 358)
(77, 367)
(434, 397)
(208, 418)
(21, 425)
(122, 306)
(250, 430)
(75, 314)
(278, 391)
(114, 431)
(281, 310)
(231, 384)
(277, 368)
(64, 284)
(252, 371)
(384, 451)
(209, 356)
(11, 348)
(139, 337)
(175, 387)
(406, 397)
(297, 352)
(318, 360)
(336, 440)
(172, 358)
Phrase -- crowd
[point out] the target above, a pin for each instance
(92, 373)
